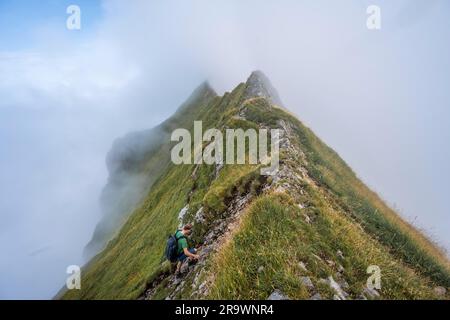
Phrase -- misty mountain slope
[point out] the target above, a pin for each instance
(310, 231)
(135, 162)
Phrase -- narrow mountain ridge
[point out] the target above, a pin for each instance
(311, 231)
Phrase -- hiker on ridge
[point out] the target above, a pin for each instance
(183, 250)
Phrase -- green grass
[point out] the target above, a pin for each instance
(273, 233)
(134, 256)
(128, 262)
(232, 180)
(353, 197)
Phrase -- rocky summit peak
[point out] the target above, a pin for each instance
(258, 85)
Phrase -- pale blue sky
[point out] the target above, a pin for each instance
(379, 98)
(20, 20)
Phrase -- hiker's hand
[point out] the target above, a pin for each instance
(196, 256)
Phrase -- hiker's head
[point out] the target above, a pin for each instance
(187, 229)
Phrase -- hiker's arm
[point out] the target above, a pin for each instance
(189, 254)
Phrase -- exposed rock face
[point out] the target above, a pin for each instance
(199, 216)
(440, 291)
(340, 294)
(258, 85)
(277, 295)
(306, 281)
(370, 293)
(317, 296)
(181, 214)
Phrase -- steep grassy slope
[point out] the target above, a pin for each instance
(135, 162)
(122, 269)
(314, 219)
(351, 196)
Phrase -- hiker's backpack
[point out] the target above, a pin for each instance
(172, 248)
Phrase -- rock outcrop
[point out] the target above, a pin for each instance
(259, 86)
